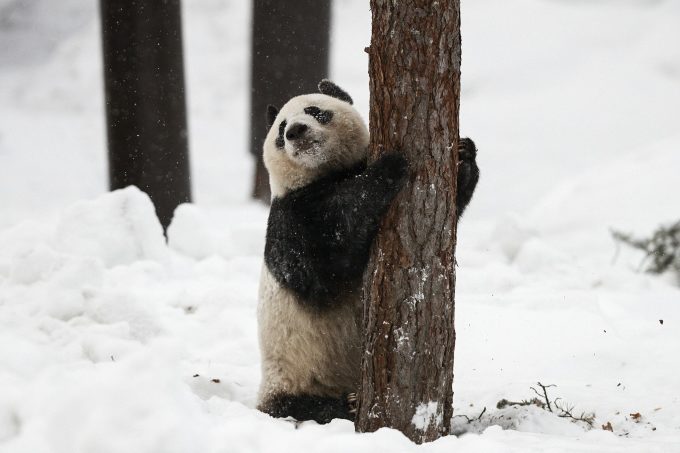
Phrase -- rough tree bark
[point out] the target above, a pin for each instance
(407, 368)
(289, 57)
(145, 105)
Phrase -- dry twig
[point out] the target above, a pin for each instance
(564, 410)
(545, 393)
(470, 420)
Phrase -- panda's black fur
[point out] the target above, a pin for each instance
(318, 240)
(319, 236)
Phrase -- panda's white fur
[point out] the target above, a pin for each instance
(303, 351)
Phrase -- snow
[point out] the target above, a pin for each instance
(427, 414)
(112, 340)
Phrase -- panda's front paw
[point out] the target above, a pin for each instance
(467, 151)
(393, 167)
(468, 173)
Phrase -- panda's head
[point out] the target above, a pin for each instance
(312, 135)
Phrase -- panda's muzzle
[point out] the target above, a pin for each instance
(301, 137)
(296, 131)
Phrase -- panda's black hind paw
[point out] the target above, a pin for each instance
(321, 409)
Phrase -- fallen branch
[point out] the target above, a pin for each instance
(562, 409)
(534, 401)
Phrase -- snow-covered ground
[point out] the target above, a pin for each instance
(113, 341)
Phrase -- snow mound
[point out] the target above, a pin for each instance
(115, 229)
(119, 228)
(192, 234)
(111, 341)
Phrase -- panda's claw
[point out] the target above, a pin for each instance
(352, 403)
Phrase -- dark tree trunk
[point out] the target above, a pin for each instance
(145, 105)
(289, 57)
(407, 368)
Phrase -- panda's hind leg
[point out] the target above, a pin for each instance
(321, 409)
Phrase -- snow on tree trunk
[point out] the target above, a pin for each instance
(407, 368)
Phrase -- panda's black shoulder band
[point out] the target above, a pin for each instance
(330, 89)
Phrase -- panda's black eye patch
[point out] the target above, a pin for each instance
(279, 140)
(322, 116)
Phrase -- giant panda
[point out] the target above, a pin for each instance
(326, 205)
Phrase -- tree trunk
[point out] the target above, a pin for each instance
(145, 105)
(289, 57)
(407, 368)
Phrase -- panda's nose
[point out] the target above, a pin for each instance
(295, 131)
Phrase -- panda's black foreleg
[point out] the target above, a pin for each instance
(366, 197)
(321, 409)
(319, 237)
(371, 193)
(468, 173)
(352, 215)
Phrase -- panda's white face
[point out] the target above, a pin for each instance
(312, 135)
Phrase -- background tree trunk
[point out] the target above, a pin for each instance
(289, 57)
(407, 368)
(145, 104)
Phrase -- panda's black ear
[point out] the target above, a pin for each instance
(272, 111)
(330, 89)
